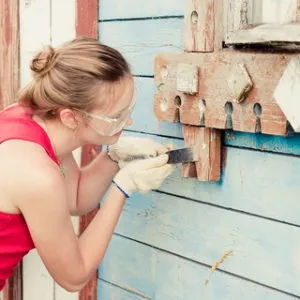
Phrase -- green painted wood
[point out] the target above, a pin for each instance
(161, 276)
(107, 291)
(124, 9)
(247, 183)
(141, 41)
(264, 251)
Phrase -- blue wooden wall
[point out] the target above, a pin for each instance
(167, 240)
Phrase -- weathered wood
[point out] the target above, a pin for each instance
(287, 92)
(265, 70)
(140, 49)
(14, 285)
(87, 25)
(111, 291)
(160, 275)
(199, 26)
(267, 33)
(128, 9)
(246, 168)
(9, 51)
(202, 233)
(9, 85)
(208, 143)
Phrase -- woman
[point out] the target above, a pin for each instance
(81, 93)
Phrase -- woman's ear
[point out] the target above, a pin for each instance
(70, 119)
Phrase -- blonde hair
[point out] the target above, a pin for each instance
(70, 76)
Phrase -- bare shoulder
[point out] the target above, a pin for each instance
(26, 168)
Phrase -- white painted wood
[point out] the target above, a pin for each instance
(44, 22)
(62, 21)
(35, 32)
(265, 33)
(274, 12)
(287, 92)
(276, 21)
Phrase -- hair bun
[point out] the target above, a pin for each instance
(43, 62)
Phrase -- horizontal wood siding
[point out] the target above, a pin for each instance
(167, 240)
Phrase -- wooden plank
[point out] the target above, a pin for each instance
(169, 222)
(126, 9)
(9, 51)
(208, 143)
(10, 83)
(145, 122)
(35, 33)
(87, 25)
(35, 271)
(62, 30)
(87, 18)
(161, 275)
(281, 171)
(110, 291)
(222, 112)
(263, 142)
(140, 41)
(199, 26)
(266, 33)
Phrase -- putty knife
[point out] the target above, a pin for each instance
(176, 156)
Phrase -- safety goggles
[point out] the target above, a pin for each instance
(109, 126)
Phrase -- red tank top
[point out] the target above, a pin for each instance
(15, 241)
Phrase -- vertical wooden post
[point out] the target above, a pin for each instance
(9, 51)
(87, 25)
(199, 36)
(9, 85)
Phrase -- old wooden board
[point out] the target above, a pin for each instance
(202, 233)
(246, 169)
(217, 74)
(156, 274)
(207, 141)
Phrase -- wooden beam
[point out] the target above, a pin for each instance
(9, 51)
(9, 85)
(199, 26)
(87, 25)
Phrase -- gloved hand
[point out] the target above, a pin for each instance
(143, 175)
(129, 147)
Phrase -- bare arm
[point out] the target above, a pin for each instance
(70, 260)
(86, 186)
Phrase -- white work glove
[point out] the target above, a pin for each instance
(143, 175)
(129, 147)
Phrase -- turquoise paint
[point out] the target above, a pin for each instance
(162, 276)
(124, 9)
(140, 41)
(107, 291)
(264, 251)
(253, 182)
(247, 184)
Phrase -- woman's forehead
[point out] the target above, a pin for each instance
(115, 97)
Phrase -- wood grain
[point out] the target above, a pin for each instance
(87, 25)
(265, 70)
(208, 144)
(129, 9)
(140, 41)
(199, 26)
(160, 275)
(9, 51)
(10, 83)
(246, 168)
(202, 233)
